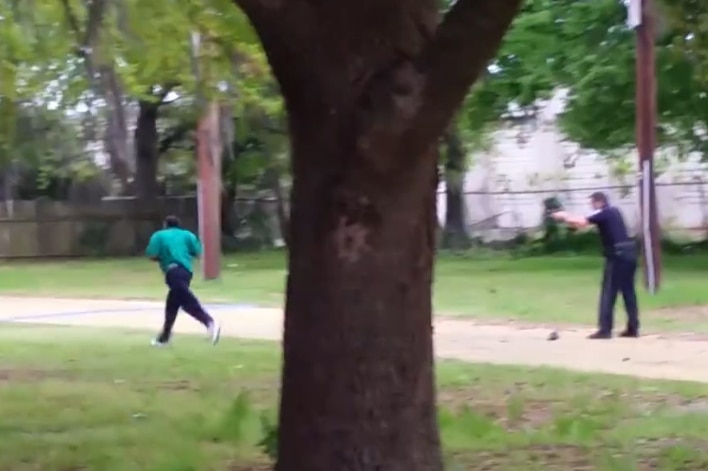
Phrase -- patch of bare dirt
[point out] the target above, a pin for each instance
(512, 323)
(682, 404)
(551, 458)
(514, 412)
(178, 385)
(260, 391)
(171, 385)
(656, 454)
(648, 456)
(24, 375)
(251, 467)
(505, 410)
(687, 314)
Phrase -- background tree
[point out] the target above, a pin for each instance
(509, 91)
(586, 50)
(41, 152)
(124, 65)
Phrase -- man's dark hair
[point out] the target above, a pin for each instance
(172, 221)
(599, 197)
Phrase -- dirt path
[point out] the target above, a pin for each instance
(651, 356)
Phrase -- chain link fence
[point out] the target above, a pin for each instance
(120, 226)
(504, 215)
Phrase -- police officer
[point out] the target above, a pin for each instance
(620, 254)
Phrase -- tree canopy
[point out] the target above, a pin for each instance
(138, 52)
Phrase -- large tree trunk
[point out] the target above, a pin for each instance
(104, 83)
(116, 135)
(455, 234)
(148, 146)
(358, 370)
(369, 86)
(147, 154)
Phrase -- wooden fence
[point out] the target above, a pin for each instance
(112, 227)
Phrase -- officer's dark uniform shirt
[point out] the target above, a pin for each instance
(611, 227)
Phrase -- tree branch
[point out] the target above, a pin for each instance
(96, 14)
(464, 43)
(73, 22)
(257, 10)
(87, 37)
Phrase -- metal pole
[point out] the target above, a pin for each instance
(646, 144)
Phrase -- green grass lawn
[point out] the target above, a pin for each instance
(561, 289)
(88, 399)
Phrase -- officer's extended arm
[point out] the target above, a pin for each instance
(570, 219)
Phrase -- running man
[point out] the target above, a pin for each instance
(174, 248)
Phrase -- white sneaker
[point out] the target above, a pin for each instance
(214, 331)
(157, 343)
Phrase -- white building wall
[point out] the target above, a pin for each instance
(507, 184)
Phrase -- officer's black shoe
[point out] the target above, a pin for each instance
(600, 335)
(631, 334)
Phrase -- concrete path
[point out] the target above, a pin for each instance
(651, 356)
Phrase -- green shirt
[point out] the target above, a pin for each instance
(174, 245)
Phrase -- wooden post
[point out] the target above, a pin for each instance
(642, 18)
(209, 148)
(209, 190)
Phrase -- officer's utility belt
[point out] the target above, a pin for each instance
(624, 251)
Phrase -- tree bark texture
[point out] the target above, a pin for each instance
(455, 234)
(369, 86)
(209, 189)
(104, 83)
(146, 138)
(147, 141)
(358, 374)
(116, 135)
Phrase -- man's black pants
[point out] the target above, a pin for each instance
(180, 295)
(618, 276)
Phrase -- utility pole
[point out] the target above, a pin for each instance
(208, 155)
(641, 19)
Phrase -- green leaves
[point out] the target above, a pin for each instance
(148, 44)
(585, 48)
(520, 75)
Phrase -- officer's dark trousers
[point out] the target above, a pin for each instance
(180, 295)
(618, 277)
